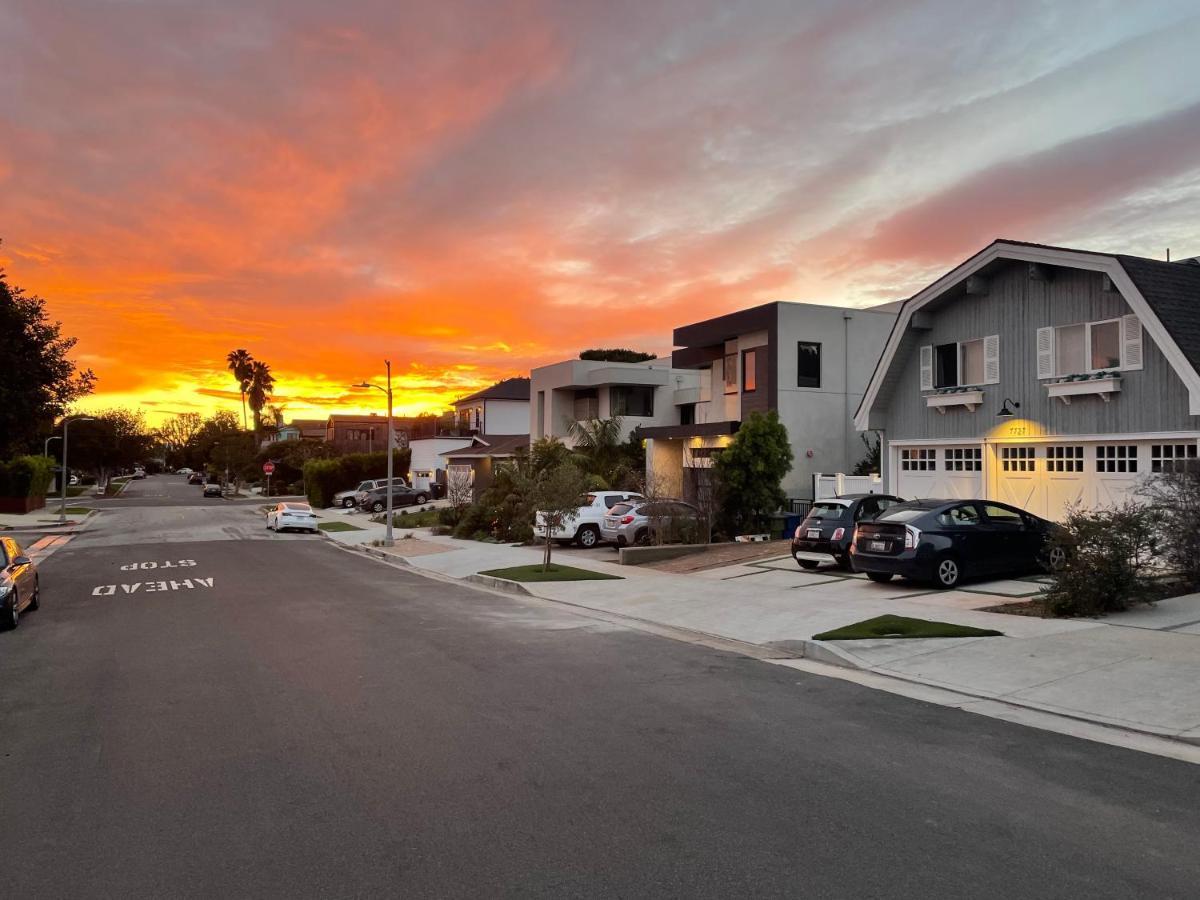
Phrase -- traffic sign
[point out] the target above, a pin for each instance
(268, 467)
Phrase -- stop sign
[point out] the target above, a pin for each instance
(268, 468)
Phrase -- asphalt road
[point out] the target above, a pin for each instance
(285, 719)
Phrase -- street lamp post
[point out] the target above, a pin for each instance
(46, 451)
(62, 509)
(391, 437)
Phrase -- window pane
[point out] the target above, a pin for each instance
(1068, 350)
(808, 365)
(749, 361)
(1106, 345)
(731, 373)
(972, 363)
(1000, 514)
(946, 364)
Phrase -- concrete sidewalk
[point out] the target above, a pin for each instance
(1129, 674)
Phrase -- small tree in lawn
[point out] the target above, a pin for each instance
(557, 493)
(751, 470)
(458, 489)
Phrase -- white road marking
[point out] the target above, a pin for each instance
(167, 564)
(188, 584)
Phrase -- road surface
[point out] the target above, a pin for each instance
(270, 716)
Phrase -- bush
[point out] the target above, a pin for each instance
(325, 477)
(26, 476)
(1109, 557)
(1175, 499)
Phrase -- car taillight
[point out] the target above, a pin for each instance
(911, 537)
(839, 533)
(625, 520)
(796, 534)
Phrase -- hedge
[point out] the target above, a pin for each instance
(325, 477)
(26, 476)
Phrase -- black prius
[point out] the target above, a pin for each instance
(829, 526)
(946, 541)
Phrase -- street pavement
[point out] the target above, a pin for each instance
(238, 713)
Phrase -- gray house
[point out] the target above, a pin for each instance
(1040, 376)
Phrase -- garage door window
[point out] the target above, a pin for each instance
(1018, 459)
(1116, 458)
(1064, 459)
(1172, 457)
(919, 460)
(964, 459)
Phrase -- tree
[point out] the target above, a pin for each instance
(869, 464)
(751, 470)
(176, 435)
(556, 493)
(1174, 497)
(37, 380)
(617, 355)
(597, 445)
(114, 439)
(240, 362)
(458, 489)
(259, 392)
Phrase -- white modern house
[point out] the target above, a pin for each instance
(502, 408)
(1042, 377)
(642, 394)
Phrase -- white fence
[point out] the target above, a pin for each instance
(835, 485)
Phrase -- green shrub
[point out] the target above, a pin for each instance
(325, 477)
(1109, 557)
(26, 476)
(1175, 499)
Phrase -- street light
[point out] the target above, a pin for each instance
(387, 540)
(46, 445)
(62, 510)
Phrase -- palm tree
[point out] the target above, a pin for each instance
(258, 391)
(597, 445)
(240, 364)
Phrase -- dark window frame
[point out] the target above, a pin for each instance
(626, 392)
(809, 380)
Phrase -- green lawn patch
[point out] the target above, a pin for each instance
(424, 518)
(903, 627)
(74, 490)
(556, 573)
(338, 526)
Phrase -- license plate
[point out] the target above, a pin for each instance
(814, 534)
(878, 546)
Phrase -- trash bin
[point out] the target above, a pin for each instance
(437, 491)
(790, 524)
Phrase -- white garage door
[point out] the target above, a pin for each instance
(954, 472)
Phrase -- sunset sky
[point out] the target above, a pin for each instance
(472, 189)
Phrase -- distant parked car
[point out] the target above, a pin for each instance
(212, 488)
(19, 586)
(196, 478)
(73, 480)
(184, 471)
(944, 541)
(139, 472)
(641, 521)
(375, 500)
(349, 499)
(292, 515)
(584, 529)
(830, 524)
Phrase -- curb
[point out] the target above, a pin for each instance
(501, 584)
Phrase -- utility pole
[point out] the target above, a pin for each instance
(388, 541)
(62, 509)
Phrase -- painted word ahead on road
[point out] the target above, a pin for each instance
(178, 583)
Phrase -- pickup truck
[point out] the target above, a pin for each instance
(584, 529)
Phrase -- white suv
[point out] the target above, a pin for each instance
(349, 499)
(584, 529)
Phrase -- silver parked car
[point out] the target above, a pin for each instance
(350, 498)
(673, 521)
(19, 587)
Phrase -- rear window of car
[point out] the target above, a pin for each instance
(621, 508)
(827, 510)
(297, 507)
(897, 514)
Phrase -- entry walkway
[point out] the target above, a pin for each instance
(1093, 670)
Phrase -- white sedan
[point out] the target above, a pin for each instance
(292, 515)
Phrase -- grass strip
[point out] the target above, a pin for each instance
(338, 526)
(555, 573)
(902, 627)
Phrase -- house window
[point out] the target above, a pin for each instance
(586, 405)
(1018, 459)
(1116, 458)
(918, 459)
(1064, 459)
(1087, 347)
(958, 364)
(749, 379)
(808, 364)
(632, 400)
(964, 459)
(731, 373)
(1172, 457)
(687, 414)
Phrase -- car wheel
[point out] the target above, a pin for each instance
(36, 600)
(947, 573)
(843, 562)
(880, 577)
(1056, 559)
(12, 616)
(348, 503)
(588, 537)
(421, 498)
(807, 563)
(642, 538)
(378, 506)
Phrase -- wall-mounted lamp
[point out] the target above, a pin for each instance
(1005, 412)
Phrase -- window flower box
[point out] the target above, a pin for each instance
(1101, 384)
(947, 398)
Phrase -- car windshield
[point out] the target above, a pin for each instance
(901, 514)
(366, 485)
(827, 510)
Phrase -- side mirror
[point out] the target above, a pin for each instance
(22, 561)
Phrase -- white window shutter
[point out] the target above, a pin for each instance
(991, 359)
(1131, 342)
(1045, 353)
(927, 367)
